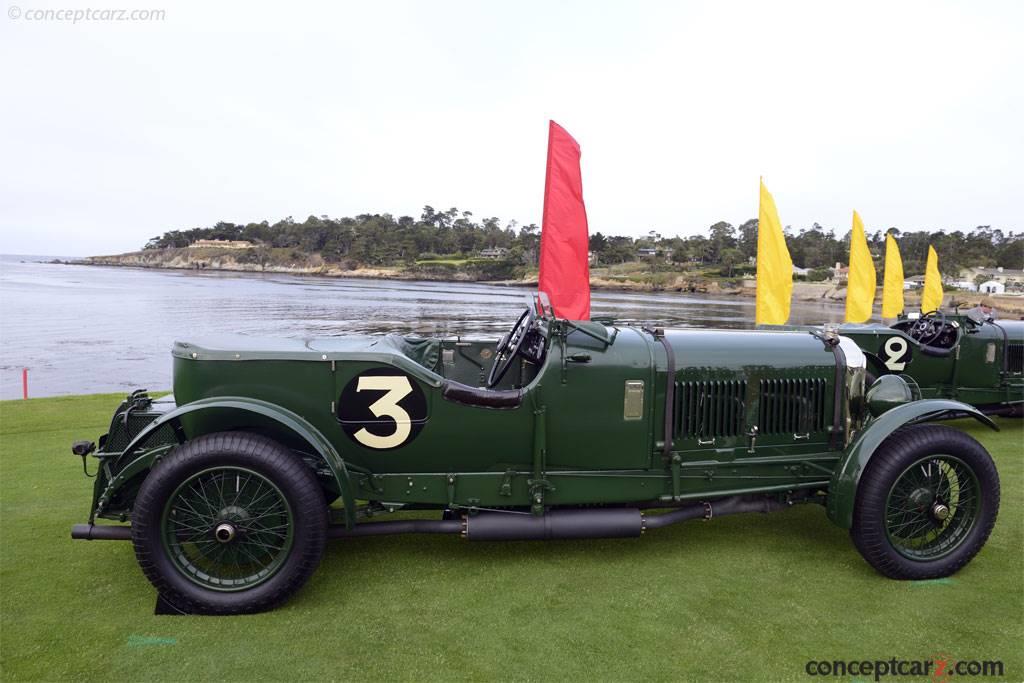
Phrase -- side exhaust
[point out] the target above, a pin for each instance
(596, 523)
(603, 522)
(519, 526)
(405, 526)
(92, 532)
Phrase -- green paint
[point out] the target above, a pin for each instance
(581, 421)
(589, 452)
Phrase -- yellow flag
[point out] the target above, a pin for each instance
(860, 284)
(774, 266)
(892, 283)
(931, 297)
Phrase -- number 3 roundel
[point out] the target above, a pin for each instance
(382, 408)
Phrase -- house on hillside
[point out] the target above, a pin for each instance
(916, 282)
(998, 274)
(992, 287)
(494, 252)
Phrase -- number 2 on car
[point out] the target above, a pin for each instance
(896, 351)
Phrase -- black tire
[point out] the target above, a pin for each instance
(292, 486)
(956, 541)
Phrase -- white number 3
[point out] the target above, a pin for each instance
(894, 349)
(387, 405)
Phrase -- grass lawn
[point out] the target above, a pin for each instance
(750, 597)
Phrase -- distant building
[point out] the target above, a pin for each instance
(992, 287)
(840, 271)
(223, 244)
(646, 251)
(966, 285)
(916, 282)
(494, 252)
(797, 270)
(999, 274)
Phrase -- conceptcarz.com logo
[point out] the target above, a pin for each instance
(939, 669)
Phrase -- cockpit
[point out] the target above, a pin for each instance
(932, 331)
(477, 372)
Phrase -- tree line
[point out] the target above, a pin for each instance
(382, 239)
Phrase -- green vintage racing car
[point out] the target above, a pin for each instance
(968, 357)
(564, 429)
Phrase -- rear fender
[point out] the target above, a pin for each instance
(843, 487)
(235, 412)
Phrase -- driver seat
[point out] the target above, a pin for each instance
(496, 399)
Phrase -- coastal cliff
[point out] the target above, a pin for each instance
(296, 262)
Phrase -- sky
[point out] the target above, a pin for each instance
(116, 131)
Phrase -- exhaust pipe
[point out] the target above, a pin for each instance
(518, 526)
(716, 508)
(407, 526)
(92, 532)
(596, 523)
(603, 522)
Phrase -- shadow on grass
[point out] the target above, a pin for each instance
(700, 547)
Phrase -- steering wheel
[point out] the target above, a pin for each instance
(509, 346)
(928, 328)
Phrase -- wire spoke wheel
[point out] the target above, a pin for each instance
(227, 528)
(926, 503)
(932, 507)
(229, 523)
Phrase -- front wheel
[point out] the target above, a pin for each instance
(229, 523)
(926, 503)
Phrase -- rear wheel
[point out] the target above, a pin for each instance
(229, 523)
(926, 503)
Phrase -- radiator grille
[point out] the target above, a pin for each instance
(1015, 358)
(120, 437)
(792, 406)
(122, 433)
(713, 408)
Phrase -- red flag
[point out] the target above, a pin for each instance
(564, 268)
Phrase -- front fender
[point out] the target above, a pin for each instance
(843, 488)
(137, 460)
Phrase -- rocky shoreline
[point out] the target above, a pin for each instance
(304, 264)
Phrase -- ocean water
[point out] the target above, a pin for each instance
(89, 329)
